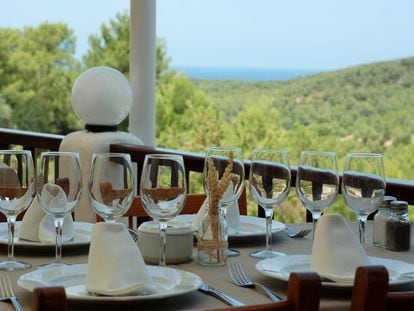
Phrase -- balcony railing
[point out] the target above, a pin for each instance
(194, 162)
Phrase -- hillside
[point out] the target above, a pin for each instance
(367, 108)
(363, 108)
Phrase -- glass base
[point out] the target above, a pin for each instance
(378, 244)
(52, 265)
(232, 252)
(14, 265)
(263, 254)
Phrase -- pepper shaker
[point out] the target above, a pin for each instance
(398, 227)
(380, 219)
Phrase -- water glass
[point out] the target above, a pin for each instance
(111, 185)
(59, 188)
(17, 189)
(163, 190)
(220, 157)
(317, 182)
(363, 185)
(269, 181)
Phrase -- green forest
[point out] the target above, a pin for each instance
(364, 108)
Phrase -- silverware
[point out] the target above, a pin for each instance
(205, 288)
(232, 252)
(6, 291)
(241, 279)
(134, 234)
(295, 233)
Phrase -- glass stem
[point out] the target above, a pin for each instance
(225, 207)
(163, 243)
(315, 217)
(362, 222)
(11, 221)
(269, 218)
(58, 251)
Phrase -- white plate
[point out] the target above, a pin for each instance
(280, 267)
(250, 226)
(170, 282)
(82, 237)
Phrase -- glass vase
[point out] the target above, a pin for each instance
(212, 238)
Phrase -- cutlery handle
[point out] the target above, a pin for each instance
(273, 296)
(225, 298)
(16, 304)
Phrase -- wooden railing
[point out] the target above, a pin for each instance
(194, 162)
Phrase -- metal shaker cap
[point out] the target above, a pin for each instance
(386, 202)
(399, 205)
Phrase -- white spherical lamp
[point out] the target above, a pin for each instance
(101, 96)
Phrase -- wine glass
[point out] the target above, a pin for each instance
(317, 182)
(59, 188)
(17, 189)
(163, 189)
(363, 185)
(269, 183)
(111, 185)
(220, 157)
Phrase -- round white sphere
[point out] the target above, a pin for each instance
(101, 96)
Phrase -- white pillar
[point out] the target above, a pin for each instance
(142, 70)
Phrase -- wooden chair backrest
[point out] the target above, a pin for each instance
(370, 292)
(49, 299)
(12, 193)
(303, 295)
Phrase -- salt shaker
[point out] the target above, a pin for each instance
(398, 227)
(380, 219)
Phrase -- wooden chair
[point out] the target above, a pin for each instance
(303, 295)
(49, 299)
(370, 292)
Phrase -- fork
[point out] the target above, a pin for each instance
(205, 288)
(134, 234)
(295, 233)
(241, 279)
(6, 291)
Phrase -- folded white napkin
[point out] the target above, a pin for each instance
(336, 252)
(38, 226)
(115, 264)
(232, 216)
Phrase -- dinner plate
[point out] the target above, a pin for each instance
(82, 237)
(280, 267)
(250, 226)
(169, 282)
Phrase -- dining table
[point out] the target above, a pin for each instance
(330, 299)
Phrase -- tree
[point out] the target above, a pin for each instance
(186, 119)
(180, 108)
(38, 69)
(111, 47)
(5, 114)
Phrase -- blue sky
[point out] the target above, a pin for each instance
(289, 34)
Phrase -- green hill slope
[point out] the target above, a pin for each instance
(367, 108)
(363, 108)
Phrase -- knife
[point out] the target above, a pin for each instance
(205, 288)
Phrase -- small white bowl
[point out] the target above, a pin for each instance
(179, 242)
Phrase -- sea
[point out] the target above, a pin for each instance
(250, 74)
